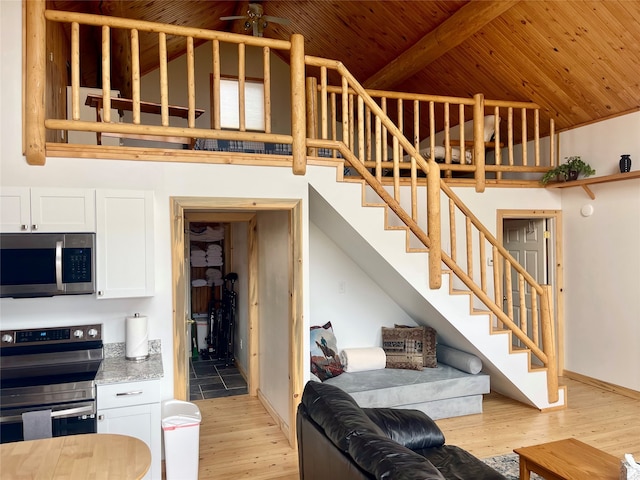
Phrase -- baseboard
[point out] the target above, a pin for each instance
(284, 426)
(627, 392)
(240, 369)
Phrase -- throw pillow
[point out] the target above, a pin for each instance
(403, 347)
(325, 361)
(429, 358)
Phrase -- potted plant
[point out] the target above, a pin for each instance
(570, 170)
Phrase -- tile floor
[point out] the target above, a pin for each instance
(213, 379)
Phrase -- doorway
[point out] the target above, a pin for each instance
(534, 238)
(259, 377)
(217, 279)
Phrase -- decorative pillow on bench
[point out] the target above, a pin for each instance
(409, 347)
(325, 361)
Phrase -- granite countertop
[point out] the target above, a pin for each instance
(116, 368)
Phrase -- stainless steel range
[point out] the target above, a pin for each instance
(49, 369)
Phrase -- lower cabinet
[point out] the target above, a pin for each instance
(133, 409)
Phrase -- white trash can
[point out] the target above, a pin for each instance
(181, 430)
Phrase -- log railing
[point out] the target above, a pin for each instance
(35, 136)
(434, 121)
(360, 135)
(365, 136)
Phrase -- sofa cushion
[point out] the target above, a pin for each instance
(386, 459)
(455, 463)
(337, 413)
(429, 359)
(411, 428)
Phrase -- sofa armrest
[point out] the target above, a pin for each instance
(385, 459)
(411, 428)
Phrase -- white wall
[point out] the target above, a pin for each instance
(274, 267)
(240, 265)
(602, 256)
(359, 309)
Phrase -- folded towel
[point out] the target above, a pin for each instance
(214, 249)
(199, 262)
(363, 359)
(36, 425)
(199, 282)
(208, 234)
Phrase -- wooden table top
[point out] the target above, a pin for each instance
(96, 456)
(120, 103)
(570, 459)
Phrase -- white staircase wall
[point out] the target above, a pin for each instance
(337, 209)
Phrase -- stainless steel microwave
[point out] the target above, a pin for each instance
(47, 264)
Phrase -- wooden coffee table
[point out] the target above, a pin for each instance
(568, 459)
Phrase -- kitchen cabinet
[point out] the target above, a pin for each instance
(133, 409)
(124, 243)
(47, 210)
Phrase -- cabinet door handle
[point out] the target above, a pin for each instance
(122, 394)
(100, 417)
(24, 227)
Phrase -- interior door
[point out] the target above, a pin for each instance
(525, 240)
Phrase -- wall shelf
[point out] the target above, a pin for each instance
(585, 182)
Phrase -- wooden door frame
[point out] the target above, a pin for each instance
(178, 206)
(556, 215)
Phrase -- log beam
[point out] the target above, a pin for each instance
(451, 33)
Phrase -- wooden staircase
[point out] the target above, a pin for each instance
(460, 322)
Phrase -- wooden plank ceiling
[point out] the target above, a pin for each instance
(579, 60)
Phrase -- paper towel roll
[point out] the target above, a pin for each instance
(136, 337)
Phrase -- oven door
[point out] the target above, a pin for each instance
(66, 419)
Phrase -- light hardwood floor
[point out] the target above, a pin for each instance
(238, 439)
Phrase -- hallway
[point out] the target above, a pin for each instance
(210, 378)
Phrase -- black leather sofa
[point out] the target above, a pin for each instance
(339, 440)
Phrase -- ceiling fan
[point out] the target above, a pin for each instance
(256, 20)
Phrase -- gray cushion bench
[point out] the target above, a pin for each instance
(441, 392)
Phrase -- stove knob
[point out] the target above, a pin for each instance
(92, 332)
(78, 333)
(6, 338)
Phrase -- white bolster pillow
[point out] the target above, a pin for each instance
(363, 359)
(464, 361)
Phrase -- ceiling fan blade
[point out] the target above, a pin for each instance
(282, 21)
(233, 17)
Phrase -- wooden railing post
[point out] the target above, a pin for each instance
(312, 112)
(434, 225)
(298, 106)
(548, 342)
(35, 84)
(478, 141)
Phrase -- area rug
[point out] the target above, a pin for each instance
(508, 466)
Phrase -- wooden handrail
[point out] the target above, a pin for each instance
(359, 162)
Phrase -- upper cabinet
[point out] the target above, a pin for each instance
(124, 243)
(47, 210)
